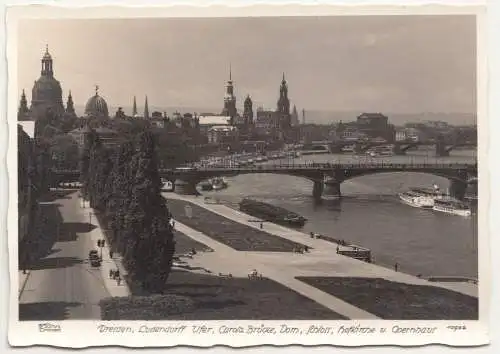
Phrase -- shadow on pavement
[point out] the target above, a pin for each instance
(56, 194)
(54, 263)
(38, 243)
(69, 230)
(46, 311)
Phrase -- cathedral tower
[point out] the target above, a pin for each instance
(283, 101)
(284, 106)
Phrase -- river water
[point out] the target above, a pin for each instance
(371, 215)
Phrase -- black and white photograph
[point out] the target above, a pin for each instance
(293, 169)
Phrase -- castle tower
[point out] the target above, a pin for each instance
(70, 106)
(229, 99)
(248, 111)
(146, 108)
(134, 108)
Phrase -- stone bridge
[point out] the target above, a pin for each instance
(326, 177)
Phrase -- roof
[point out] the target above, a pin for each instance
(82, 129)
(214, 120)
(104, 130)
(28, 127)
(372, 115)
(225, 128)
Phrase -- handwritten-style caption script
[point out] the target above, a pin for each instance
(262, 330)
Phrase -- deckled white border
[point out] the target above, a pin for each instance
(70, 338)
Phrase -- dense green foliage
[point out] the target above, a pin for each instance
(124, 185)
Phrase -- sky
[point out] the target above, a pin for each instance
(403, 64)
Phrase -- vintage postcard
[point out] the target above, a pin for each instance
(244, 176)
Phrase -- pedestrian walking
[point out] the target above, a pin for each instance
(117, 273)
(338, 249)
(173, 224)
(111, 273)
(110, 254)
(118, 280)
(396, 266)
(261, 225)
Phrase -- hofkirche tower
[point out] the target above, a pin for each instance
(47, 91)
(284, 105)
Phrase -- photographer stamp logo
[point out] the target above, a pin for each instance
(49, 327)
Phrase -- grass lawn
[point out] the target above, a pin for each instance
(193, 296)
(184, 244)
(233, 234)
(398, 301)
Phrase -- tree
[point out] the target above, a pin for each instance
(149, 237)
(119, 188)
(90, 138)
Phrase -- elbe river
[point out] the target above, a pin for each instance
(370, 214)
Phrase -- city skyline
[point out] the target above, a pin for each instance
(347, 71)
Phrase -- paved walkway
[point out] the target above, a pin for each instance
(227, 260)
(323, 259)
(108, 263)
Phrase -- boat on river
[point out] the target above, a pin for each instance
(416, 200)
(219, 183)
(271, 213)
(454, 207)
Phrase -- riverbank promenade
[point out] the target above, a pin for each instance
(322, 260)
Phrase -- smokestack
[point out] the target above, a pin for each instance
(303, 116)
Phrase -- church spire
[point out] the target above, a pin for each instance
(23, 107)
(134, 108)
(47, 69)
(230, 73)
(70, 107)
(146, 108)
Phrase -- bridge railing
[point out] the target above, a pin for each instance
(314, 166)
(320, 166)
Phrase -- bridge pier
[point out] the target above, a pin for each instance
(185, 187)
(441, 150)
(331, 189)
(318, 189)
(398, 151)
(458, 189)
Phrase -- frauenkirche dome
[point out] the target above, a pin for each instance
(47, 91)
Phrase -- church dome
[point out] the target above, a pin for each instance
(47, 91)
(97, 107)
